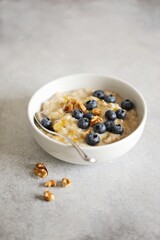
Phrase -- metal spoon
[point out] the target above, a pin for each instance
(39, 116)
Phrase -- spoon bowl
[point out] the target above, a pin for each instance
(38, 116)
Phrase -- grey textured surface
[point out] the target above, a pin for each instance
(43, 40)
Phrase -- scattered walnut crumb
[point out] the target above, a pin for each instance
(95, 119)
(51, 183)
(48, 196)
(65, 182)
(40, 170)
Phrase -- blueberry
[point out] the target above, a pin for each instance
(83, 123)
(91, 104)
(89, 115)
(109, 125)
(121, 114)
(110, 115)
(77, 113)
(127, 104)
(99, 94)
(99, 128)
(46, 122)
(92, 139)
(110, 98)
(118, 129)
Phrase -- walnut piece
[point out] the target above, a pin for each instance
(65, 182)
(40, 170)
(81, 106)
(73, 104)
(96, 111)
(48, 196)
(51, 183)
(70, 105)
(95, 119)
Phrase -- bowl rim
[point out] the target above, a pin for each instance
(143, 120)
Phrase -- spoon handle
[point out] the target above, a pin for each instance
(77, 148)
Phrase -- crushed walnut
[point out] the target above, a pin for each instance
(40, 170)
(81, 106)
(96, 119)
(70, 105)
(74, 104)
(65, 182)
(51, 183)
(96, 111)
(48, 196)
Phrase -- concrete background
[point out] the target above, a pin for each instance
(45, 39)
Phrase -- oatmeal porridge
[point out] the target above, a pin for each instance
(89, 117)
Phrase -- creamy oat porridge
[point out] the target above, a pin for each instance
(90, 117)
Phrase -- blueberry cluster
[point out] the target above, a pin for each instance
(101, 95)
(109, 125)
(126, 104)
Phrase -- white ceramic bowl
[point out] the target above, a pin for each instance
(101, 153)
